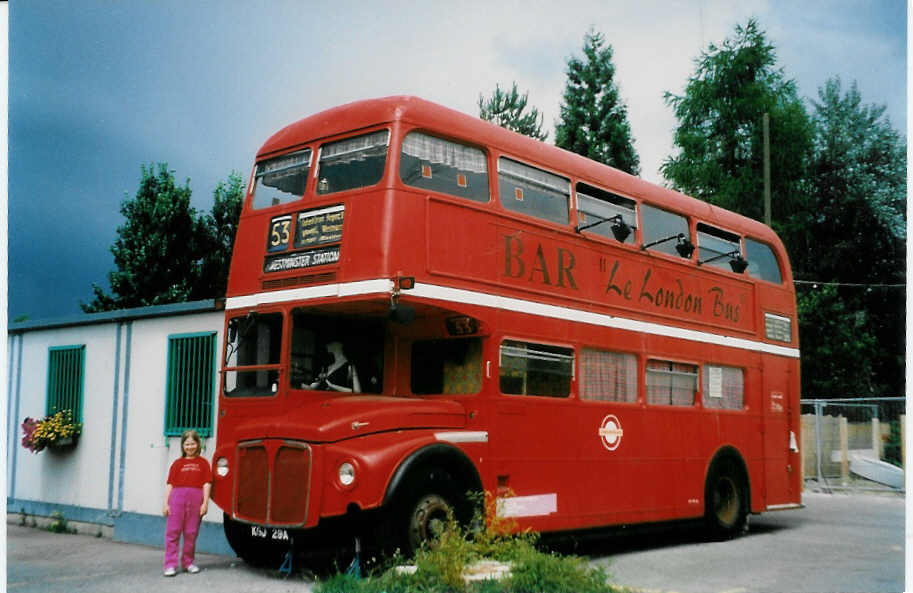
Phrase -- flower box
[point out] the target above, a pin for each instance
(58, 431)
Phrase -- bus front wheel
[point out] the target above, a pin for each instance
(726, 500)
(428, 507)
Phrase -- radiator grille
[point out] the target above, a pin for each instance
(273, 482)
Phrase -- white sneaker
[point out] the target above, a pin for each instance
(170, 571)
(193, 569)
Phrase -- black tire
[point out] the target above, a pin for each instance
(725, 500)
(254, 551)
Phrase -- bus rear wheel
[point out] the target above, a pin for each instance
(726, 500)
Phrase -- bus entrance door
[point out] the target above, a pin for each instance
(778, 438)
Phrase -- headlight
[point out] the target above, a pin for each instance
(346, 474)
(222, 467)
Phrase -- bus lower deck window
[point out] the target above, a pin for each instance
(253, 340)
(536, 369)
(608, 376)
(671, 383)
(724, 387)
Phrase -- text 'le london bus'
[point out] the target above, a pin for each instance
(423, 305)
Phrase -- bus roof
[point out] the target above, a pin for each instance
(458, 125)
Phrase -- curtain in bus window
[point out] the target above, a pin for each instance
(533, 192)
(762, 262)
(724, 387)
(536, 369)
(353, 162)
(281, 179)
(671, 383)
(443, 166)
(608, 376)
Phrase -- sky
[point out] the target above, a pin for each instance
(97, 89)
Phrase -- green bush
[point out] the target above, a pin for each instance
(439, 566)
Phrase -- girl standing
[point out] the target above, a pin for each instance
(186, 501)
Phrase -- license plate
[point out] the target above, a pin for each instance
(269, 533)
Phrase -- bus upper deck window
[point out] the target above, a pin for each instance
(762, 262)
(353, 162)
(719, 248)
(444, 166)
(533, 192)
(665, 232)
(281, 179)
(603, 213)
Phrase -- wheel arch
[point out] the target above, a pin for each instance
(438, 456)
(731, 454)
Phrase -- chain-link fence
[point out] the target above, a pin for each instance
(854, 443)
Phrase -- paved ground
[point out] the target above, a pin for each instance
(837, 543)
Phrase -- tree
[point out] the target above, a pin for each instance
(506, 109)
(594, 119)
(221, 225)
(719, 135)
(165, 252)
(854, 231)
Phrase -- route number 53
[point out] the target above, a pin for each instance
(279, 232)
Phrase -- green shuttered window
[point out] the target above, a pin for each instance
(191, 383)
(66, 372)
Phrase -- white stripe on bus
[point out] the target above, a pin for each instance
(469, 297)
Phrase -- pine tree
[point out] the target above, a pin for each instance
(853, 232)
(506, 109)
(719, 137)
(594, 119)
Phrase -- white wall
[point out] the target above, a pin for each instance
(149, 453)
(116, 466)
(77, 476)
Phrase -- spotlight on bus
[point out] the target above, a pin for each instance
(621, 230)
(684, 247)
(738, 264)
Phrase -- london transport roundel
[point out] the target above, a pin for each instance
(610, 432)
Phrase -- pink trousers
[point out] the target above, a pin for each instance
(183, 518)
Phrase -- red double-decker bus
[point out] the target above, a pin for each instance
(422, 304)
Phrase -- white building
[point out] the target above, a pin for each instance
(138, 378)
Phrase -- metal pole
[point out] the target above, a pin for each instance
(818, 409)
(766, 127)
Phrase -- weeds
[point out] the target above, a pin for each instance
(59, 524)
(440, 565)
